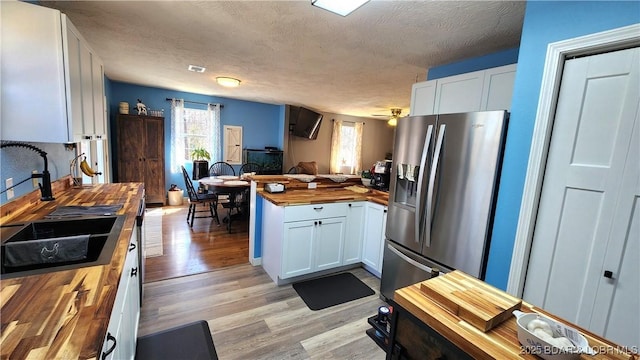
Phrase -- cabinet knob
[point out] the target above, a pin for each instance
(132, 247)
(320, 222)
(87, 137)
(349, 205)
(315, 223)
(318, 208)
(608, 274)
(385, 211)
(134, 272)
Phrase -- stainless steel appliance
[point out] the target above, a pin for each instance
(442, 195)
(381, 175)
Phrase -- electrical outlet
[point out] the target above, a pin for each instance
(9, 183)
(34, 181)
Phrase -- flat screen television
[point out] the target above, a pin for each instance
(307, 123)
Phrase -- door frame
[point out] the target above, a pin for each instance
(557, 53)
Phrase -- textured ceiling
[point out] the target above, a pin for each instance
(289, 52)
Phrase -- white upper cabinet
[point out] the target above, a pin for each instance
(489, 89)
(423, 98)
(52, 81)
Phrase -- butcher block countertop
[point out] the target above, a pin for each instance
(500, 342)
(64, 314)
(327, 191)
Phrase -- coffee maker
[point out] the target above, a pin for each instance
(381, 175)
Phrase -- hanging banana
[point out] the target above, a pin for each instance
(86, 168)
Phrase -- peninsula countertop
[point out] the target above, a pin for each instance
(326, 191)
(64, 314)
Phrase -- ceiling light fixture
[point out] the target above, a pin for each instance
(340, 7)
(395, 114)
(227, 81)
(196, 68)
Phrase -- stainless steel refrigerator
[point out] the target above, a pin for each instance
(441, 196)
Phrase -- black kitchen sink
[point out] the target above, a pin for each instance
(44, 246)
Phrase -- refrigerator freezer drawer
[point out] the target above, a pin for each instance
(401, 267)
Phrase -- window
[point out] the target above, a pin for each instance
(191, 129)
(346, 147)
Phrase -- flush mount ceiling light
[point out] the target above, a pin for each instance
(196, 68)
(227, 81)
(340, 7)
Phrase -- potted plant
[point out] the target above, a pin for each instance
(200, 157)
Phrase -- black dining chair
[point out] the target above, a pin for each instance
(250, 167)
(221, 168)
(196, 198)
(218, 169)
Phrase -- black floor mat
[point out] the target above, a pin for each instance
(191, 341)
(331, 290)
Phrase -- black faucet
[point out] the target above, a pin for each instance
(45, 187)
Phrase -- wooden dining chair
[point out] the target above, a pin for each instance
(293, 170)
(196, 198)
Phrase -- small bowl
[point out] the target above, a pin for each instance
(337, 178)
(365, 182)
(535, 345)
(301, 177)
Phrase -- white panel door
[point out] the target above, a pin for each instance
(618, 298)
(582, 198)
(232, 145)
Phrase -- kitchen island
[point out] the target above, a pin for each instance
(426, 328)
(65, 314)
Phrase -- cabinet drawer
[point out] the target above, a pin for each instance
(317, 211)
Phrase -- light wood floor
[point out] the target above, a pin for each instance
(202, 277)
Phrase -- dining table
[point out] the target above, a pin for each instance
(230, 185)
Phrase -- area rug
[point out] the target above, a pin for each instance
(331, 290)
(190, 341)
(153, 232)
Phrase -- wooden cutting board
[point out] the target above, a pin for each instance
(474, 301)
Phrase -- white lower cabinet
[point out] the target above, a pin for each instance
(374, 227)
(120, 342)
(352, 253)
(303, 239)
(315, 244)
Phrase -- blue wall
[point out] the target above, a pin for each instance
(262, 124)
(18, 162)
(544, 22)
(501, 58)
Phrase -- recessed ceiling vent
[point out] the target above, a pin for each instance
(196, 68)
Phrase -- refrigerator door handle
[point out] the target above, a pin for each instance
(423, 161)
(408, 259)
(432, 180)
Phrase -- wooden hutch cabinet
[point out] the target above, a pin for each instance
(141, 154)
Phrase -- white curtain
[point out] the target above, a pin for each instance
(335, 163)
(344, 157)
(177, 135)
(357, 161)
(213, 111)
